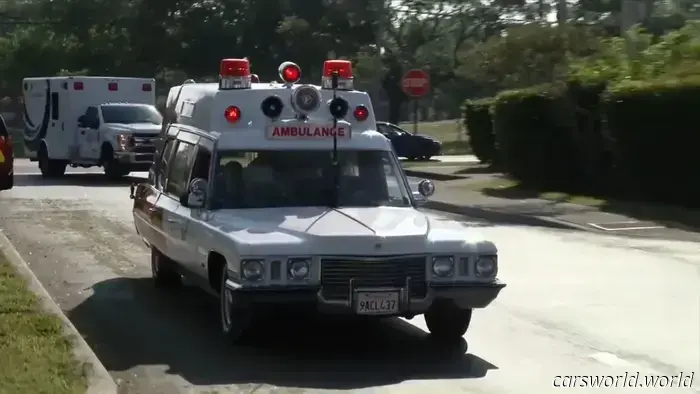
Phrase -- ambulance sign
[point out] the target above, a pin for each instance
(307, 131)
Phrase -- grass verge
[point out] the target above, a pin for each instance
(669, 215)
(507, 188)
(35, 355)
(450, 132)
(430, 164)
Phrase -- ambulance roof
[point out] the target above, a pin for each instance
(203, 106)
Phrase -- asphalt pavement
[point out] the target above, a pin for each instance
(577, 303)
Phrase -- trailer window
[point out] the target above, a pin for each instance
(54, 106)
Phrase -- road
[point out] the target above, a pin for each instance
(577, 303)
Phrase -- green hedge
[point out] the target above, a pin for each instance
(533, 129)
(636, 140)
(654, 129)
(477, 122)
(592, 144)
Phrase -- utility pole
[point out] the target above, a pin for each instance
(562, 12)
(378, 66)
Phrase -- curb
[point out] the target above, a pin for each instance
(431, 175)
(503, 217)
(99, 380)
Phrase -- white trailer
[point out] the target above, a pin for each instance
(90, 121)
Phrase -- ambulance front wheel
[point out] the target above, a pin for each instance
(50, 168)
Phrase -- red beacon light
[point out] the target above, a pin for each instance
(232, 114)
(289, 72)
(361, 113)
(343, 68)
(234, 74)
(254, 78)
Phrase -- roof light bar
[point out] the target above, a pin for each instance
(234, 74)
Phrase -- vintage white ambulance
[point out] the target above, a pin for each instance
(90, 121)
(274, 195)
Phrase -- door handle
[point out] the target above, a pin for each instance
(174, 221)
(151, 209)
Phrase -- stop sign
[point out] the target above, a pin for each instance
(416, 83)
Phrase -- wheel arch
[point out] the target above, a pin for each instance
(43, 146)
(215, 266)
(106, 152)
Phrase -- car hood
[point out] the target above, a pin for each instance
(345, 231)
(149, 128)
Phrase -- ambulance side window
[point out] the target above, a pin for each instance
(164, 161)
(202, 164)
(179, 170)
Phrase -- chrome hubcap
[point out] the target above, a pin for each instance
(226, 303)
(154, 266)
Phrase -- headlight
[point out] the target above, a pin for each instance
(252, 270)
(485, 266)
(123, 141)
(443, 266)
(298, 269)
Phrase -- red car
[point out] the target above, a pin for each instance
(6, 158)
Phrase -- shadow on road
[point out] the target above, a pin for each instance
(129, 323)
(89, 180)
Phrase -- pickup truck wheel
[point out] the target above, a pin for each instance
(51, 168)
(235, 320)
(114, 170)
(164, 274)
(446, 322)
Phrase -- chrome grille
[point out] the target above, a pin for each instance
(147, 136)
(144, 149)
(336, 274)
(144, 143)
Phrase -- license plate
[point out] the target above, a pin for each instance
(308, 131)
(377, 303)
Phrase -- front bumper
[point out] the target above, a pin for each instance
(433, 149)
(464, 296)
(135, 161)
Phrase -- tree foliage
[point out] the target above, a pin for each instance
(471, 48)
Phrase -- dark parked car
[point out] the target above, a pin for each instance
(408, 145)
(6, 158)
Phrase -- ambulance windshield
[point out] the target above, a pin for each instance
(271, 179)
(130, 114)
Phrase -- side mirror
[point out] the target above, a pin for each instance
(81, 121)
(426, 188)
(196, 194)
